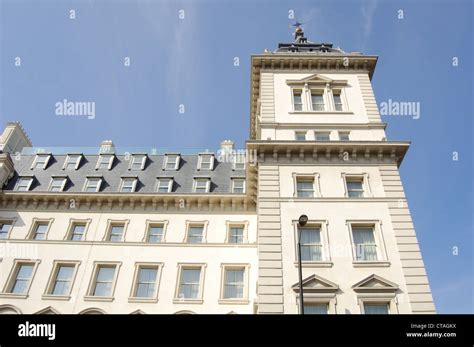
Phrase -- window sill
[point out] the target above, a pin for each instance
(143, 300)
(315, 264)
(187, 301)
(233, 301)
(320, 112)
(371, 263)
(55, 297)
(13, 296)
(99, 298)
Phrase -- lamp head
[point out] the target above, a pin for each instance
(303, 220)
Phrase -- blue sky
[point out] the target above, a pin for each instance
(190, 62)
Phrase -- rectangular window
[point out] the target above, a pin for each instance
(206, 162)
(24, 184)
(234, 283)
(41, 161)
(300, 136)
(238, 185)
(236, 234)
(92, 184)
(311, 247)
(128, 185)
(164, 185)
(376, 308)
(57, 184)
(40, 230)
(201, 185)
(77, 231)
(315, 308)
(195, 234)
(105, 162)
(172, 162)
(104, 280)
(355, 187)
(322, 136)
(22, 278)
(239, 162)
(344, 136)
(155, 233)
(189, 284)
(364, 243)
(116, 232)
(63, 279)
(4, 229)
(337, 100)
(146, 282)
(297, 100)
(138, 162)
(317, 100)
(305, 187)
(72, 162)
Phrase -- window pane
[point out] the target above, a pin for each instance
(311, 244)
(317, 101)
(376, 308)
(300, 136)
(234, 284)
(171, 161)
(297, 100)
(195, 234)
(4, 229)
(322, 137)
(63, 280)
(40, 231)
(163, 185)
(116, 233)
(236, 235)
(105, 276)
(305, 188)
(22, 279)
(77, 232)
(344, 136)
(337, 102)
(364, 241)
(315, 308)
(189, 287)
(146, 282)
(155, 234)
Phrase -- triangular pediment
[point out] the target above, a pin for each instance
(316, 284)
(48, 310)
(375, 283)
(137, 312)
(317, 79)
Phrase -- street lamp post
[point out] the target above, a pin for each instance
(301, 223)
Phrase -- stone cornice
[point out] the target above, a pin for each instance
(113, 202)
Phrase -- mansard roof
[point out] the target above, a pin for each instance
(221, 176)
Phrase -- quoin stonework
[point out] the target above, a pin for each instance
(104, 230)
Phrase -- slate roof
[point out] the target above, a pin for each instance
(220, 176)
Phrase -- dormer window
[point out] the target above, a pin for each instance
(317, 100)
(41, 161)
(23, 184)
(171, 162)
(105, 162)
(138, 162)
(57, 184)
(238, 185)
(206, 162)
(239, 162)
(164, 185)
(128, 184)
(72, 162)
(93, 184)
(202, 185)
(297, 100)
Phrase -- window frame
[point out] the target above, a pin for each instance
(133, 291)
(150, 224)
(112, 223)
(382, 256)
(33, 227)
(341, 92)
(11, 222)
(236, 162)
(99, 184)
(208, 184)
(70, 229)
(53, 277)
(184, 266)
(212, 160)
(190, 224)
(166, 161)
(63, 184)
(326, 259)
(232, 224)
(142, 164)
(364, 177)
(301, 93)
(124, 179)
(101, 158)
(348, 133)
(93, 281)
(299, 133)
(234, 179)
(320, 92)
(28, 187)
(170, 184)
(47, 157)
(314, 176)
(245, 298)
(13, 275)
(68, 157)
(317, 133)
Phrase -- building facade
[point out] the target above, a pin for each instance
(112, 231)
